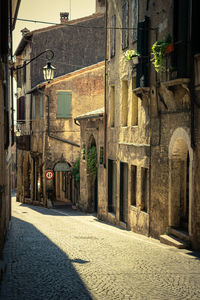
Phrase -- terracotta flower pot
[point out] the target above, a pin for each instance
(169, 48)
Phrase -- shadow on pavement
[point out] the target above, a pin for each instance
(57, 211)
(194, 254)
(37, 268)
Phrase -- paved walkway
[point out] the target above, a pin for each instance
(64, 254)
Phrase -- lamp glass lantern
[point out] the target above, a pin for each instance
(48, 71)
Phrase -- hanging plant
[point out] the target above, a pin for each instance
(76, 170)
(159, 51)
(92, 161)
(131, 54)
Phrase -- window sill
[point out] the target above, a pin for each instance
(65, 118)
(134, 207)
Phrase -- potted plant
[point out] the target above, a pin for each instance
(159, 51)
(131, 55)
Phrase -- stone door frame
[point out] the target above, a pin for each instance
(178, 136)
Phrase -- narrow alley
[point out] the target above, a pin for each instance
(65, 254)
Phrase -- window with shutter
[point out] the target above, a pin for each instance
(33, 107)
(134, 19)
(125, 24)
(181, 31)
(41, 106)
(142, 78)
(64, 104)
(21, 109)
(112, 35)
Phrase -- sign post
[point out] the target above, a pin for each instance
(49, 174)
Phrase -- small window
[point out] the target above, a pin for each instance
(144, 188)
(124, 103)
(133, 185)
(33, 107)
(21, 109)
(112, 36)
(125, 25)
(112, 185)
(64, 104)
(41, 106)
(112, 106)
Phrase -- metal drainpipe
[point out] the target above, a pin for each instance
(105, 90)
(11, 74)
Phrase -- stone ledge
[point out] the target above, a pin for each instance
(172, 241)
(174, 82)
(142, 92)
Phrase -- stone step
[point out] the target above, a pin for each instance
(172, 241)
(180, 234)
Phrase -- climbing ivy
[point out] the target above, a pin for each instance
(76, 170)
(92, 161)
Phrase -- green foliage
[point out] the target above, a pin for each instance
(158, 51)
(92, 161)
(129, 54)
(76, 170)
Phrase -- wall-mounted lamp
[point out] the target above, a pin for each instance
(48, 71)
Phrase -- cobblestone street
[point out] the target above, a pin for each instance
(65, 254)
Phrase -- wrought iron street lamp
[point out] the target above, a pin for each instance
(48, 70)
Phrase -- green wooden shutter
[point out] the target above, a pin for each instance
(41, 106)
(33, 107)
(64, 104)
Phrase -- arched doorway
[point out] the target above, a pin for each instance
(63, 182)
(180, 181)
(92, 179)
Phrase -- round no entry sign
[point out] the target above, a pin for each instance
(49, 174)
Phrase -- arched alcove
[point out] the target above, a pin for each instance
(180, 180)
(62, 181)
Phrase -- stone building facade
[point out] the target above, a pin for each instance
(153, 120)
(47, 136)
(79, 43)
(55, 139)
(8, 15)
(92, 187)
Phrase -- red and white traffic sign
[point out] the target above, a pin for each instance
(49, 174)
